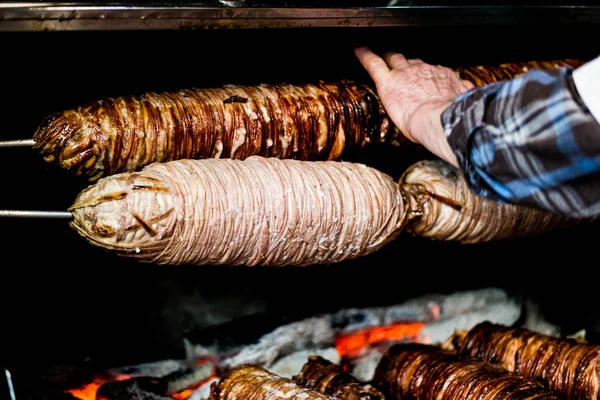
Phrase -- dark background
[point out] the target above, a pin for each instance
(331, 3)
(65, 301)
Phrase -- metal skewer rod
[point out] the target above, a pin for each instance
(35, 214)
(18, 143)
(11, 389)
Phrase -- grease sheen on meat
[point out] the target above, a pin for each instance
(306, 122)
(312, 121)
(251, 382)
(483, 75)
(331, 379)
(566, 365)
(425, 372)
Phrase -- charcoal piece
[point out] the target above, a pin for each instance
(142, 388)
(233, 335)
(179, 381)
(52, 395)
(152, 388)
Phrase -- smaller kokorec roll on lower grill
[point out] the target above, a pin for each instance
(424, 372)
(331, 379)
(566, 365)
(251, 382)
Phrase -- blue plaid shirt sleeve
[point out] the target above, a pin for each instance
(529, 141)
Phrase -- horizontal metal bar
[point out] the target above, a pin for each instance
(35, 214)
(18, 143)
(66, 17)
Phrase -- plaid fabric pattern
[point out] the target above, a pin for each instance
(529, 141)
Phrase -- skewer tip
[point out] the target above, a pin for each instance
(18, 143)
(35, 214)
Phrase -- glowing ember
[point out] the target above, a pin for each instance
(183, 395)
(88, 392)
(354, 337)
(354, 343)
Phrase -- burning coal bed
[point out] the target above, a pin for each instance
(351, 339)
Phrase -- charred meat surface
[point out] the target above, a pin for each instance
(483, 75)
(306, 122)
(331, 379)
(566, 365)
(250, 382)
(257, 211)
(312, 121)
(424, 372)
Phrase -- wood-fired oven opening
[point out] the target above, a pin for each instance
(81, 322)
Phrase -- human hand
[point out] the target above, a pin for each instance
(414, 95)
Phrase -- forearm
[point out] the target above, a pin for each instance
(533, 140)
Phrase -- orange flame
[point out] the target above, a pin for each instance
(183, 395)
(88, 392)
(352, 344)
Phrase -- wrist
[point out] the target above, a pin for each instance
(428, 130)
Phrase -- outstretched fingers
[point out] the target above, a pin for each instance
(395, 60)
(375, 65)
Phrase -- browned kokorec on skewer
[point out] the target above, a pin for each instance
(306, 122)
(257, 211)
(566, 365)
(318, 121)
(424, 372)
(482, 75)
(250, 382)
(331, 379)
(444, 208)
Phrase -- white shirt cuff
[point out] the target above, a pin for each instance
(587, 82)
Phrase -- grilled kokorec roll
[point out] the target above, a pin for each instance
(258, 211)
(305, 122)
(250, 382)
(278, 212)
(331, 379)
(482, 75)
(444, 208)
(425, 372)
(568, 366)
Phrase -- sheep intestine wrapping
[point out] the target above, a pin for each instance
(259, 211)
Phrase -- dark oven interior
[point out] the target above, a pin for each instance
(66, 303)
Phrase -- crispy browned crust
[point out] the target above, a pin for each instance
(252, 382)
(331, 379)
(424, 372)
(306, 122)
(486, 74)
(566, 365)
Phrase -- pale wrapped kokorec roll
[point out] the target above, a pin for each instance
(444, 208)
(257, 211)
